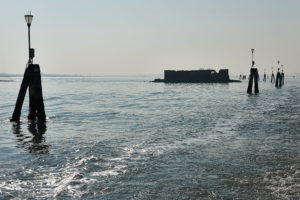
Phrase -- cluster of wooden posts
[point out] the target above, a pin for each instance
(254, 76)
(279, 79)
(31, 79)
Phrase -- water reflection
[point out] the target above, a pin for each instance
(34, 143)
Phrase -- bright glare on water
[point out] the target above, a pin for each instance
(128, 138)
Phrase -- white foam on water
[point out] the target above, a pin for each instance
(70, 174)
(47, 182)
(112, 172)
(284, 183)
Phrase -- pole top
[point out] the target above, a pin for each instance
(28, 18)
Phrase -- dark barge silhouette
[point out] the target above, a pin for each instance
(196, 76)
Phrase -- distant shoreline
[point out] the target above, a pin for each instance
(76, 75)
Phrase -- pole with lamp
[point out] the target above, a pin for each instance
(253, 76)
(28, 19)
(282, 75)
(278, 76)
(31, 79)
(252, 50)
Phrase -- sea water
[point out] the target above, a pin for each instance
(128, 138)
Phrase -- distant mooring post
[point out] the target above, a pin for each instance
(278, 77)
(31, 79)
(272, 77)
(282, 75)
(253, 75)
(265, 76)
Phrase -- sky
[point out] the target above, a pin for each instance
(145, 37)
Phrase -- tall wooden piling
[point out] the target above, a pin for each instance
(253, 75)
(282, 78)
(278, 79)
(19, 103)
(36, 102)
(282, 75)
(272, 78)
(32, 78)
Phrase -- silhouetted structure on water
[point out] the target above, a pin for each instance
(31, 79)
(196, 76)
(282, 75)
(278, 79)
(272, 77)
(253, 75)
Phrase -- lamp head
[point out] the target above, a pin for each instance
(28, 19)
(252, 50)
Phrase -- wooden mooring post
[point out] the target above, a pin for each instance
(282, 75)
(31, 79)
(253, 76)
(272, 77)
(278, 79)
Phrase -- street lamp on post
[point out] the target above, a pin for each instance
(28, 19)
(252, 50)
(282, 68)
(31, 80)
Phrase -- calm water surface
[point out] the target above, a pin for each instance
(128, 138)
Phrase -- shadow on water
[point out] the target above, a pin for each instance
(34, 143)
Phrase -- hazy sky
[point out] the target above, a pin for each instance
(121, 37)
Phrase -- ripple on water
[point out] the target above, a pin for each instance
(129, 139)
(283, 183)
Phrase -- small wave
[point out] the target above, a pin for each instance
(128, 105)
(51, 118)
(116, 170)
(25, 119)
(7, 81)
(52, 98)
(6, 106)
(155, 93)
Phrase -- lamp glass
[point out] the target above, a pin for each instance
(28, 19)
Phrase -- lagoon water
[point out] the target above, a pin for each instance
(128, 138)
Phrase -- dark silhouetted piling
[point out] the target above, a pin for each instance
(19, 103)
(282, 75)
(265, 77)
(278, 79)
(282, 78)
(249, 90)
(36, 102)
(272, 78)
(253, 75)
(32, 78)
